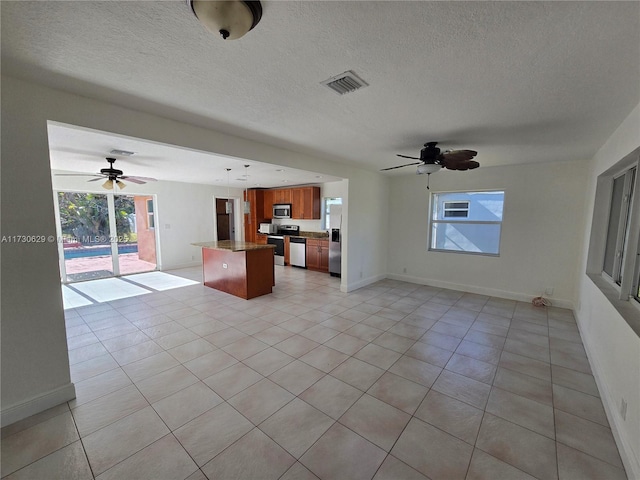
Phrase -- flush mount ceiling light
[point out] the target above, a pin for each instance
(230, 19)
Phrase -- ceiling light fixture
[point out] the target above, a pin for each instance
(230, 19)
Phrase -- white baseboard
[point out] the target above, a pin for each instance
(40, 403)
(350, 287)
(179, 266)
(629, 459)
(491, 292)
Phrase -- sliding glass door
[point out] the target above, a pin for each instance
(105, 235)
(135, 233)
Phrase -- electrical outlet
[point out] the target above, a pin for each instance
(548, 291)
(623, 409)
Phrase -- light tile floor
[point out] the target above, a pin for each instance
(393, 381)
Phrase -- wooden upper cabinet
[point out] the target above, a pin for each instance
(282, 195)
(305, 203)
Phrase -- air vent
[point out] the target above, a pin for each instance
(345, 83)
(124, 153)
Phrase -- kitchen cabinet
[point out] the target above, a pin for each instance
(282, 195)
(268, 204)
(287, 251)
(305, 203)
(318, 254)
(253, 220)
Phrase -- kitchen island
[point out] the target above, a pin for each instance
(242, 269)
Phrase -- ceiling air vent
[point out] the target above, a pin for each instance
(345, 83)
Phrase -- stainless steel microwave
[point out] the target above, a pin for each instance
(282, 210)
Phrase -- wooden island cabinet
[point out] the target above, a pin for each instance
(318, 254)
(243, 269)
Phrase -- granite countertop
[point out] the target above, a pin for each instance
(232, 246)
(314, 234)
(319, 235)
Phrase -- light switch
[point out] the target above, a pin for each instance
(224, 265)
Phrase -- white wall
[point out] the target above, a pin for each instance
(542, 222)
(612, 346)
(185, 214)
(35, 369)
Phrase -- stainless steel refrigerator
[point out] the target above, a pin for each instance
(335, 240)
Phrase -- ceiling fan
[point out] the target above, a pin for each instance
(432, 160)
(113, 176)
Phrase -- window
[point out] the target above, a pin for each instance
(468, 222)
(151, 223)
(613, 260)
(618, 227)
(456, 209)
(328, 201)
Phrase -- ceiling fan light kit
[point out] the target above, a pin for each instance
(231, 19)
(428, 168)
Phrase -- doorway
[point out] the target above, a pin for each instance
(225, 224)
(105, 235)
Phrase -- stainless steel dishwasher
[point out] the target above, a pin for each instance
(298, 252)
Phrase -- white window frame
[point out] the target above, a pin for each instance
(446, 208)
(151, 217)
(434, 222)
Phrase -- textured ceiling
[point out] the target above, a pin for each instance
(520, 82)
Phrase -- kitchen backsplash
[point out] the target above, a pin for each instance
(305, 225)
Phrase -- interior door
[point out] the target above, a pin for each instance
(224, 220)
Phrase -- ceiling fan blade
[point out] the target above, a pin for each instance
(133, 180)
(461, 165)
(473, 164)
(458, 155)
(400, 166)
(77, 175)
(405, 156)
(135, 177)
(96, 179)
